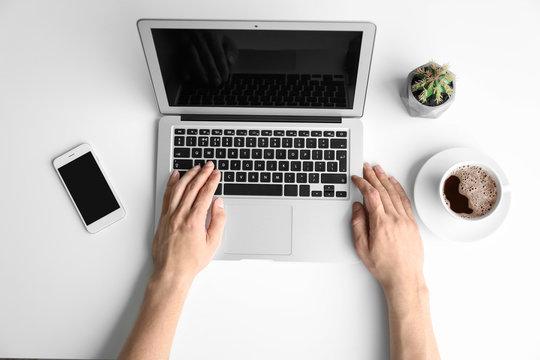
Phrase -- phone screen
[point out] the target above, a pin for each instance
(88, 188)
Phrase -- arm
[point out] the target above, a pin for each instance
(182, 247)
(387, 239)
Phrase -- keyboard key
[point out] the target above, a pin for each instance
(271, 165)
(320, 166)
(316, 133)
(262, 142)
(313, 178)
(227, 141)
(208, 153)
(329, 134)
(228, 176)
(256, 154)
(215, 141)
(329, 154)
(239, 142)
(221, 153)
(223, 164)
(331, 166)
(307, 166)
(266, 132)
(199, 162)
(338, 143)
(196, 153)
(316, 193)
(291, 190)
(323, 143)
(291, 132)
(254, 132)
(179, 131)
(304, 190)
(311, 143)
(279, 132)
(275, 142)
(253, 189)
(179, 140)
(251, 142)
(181, 152)
(287, 142)
(283, 166)
(268, 153)
(341, 194)
(191, 141)
(241, 176)
(341, 133)
(333, 178)
(301, 178)
(241, 132)
(305, 154)
(342, 160)
(229, 132)
(292, 154)
(281, 154)
(265, 177)
(235, 164)
(183, 164)
(299, 143)
(329, 188)
(247, 165)
(219, 189)
(316, 154)
(244, 153)
(253, 176)
(204, 132)
(303, 133)
(192, 131)
(289, 177)
(232, 153)
(259, 165)
(217, 131)
(277, 177)
(296, 166)
(328, 194)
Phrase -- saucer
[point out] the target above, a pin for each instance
(431, 209)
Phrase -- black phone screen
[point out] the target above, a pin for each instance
(88, 188)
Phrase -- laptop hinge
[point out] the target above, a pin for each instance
(262, 118)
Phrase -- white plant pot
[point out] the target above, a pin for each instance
(417, 109)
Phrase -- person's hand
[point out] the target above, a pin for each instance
(386, 236)
(209, 58)
(183, 245)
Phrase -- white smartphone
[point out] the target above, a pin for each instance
(89, 188)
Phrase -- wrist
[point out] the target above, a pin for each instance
(161, 280)
(404, 291)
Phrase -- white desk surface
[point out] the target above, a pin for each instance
(73, 71)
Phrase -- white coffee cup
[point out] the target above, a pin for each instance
(501, 189)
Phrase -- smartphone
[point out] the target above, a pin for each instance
(89, 188)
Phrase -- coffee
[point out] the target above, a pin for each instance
(470, 191)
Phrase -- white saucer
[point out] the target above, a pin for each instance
(431, 209)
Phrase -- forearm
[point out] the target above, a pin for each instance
(411, 332)
(154, 329)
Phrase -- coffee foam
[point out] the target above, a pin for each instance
(478, 186)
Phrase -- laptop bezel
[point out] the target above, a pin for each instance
(368, 37)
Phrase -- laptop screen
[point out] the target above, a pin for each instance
(258, 68)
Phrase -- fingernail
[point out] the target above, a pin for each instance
(174, 174)
(378, 169)
(215, 171)
(367, 165)
(393, 180)
(209, 163)
(197, 167)
(219, 203)
(356, 206)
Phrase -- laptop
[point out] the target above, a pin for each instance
(276, 105)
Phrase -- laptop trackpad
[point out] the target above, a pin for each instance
(258, 229)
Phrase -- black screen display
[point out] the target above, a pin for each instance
(88, 188)
(258, 68)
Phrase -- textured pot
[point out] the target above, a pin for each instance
(417, 109)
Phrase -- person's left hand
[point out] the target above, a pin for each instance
(183, 245)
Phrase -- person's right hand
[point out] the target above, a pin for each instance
(386, 236)
(183, 245)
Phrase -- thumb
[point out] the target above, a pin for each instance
(359, 224)
(217, 223)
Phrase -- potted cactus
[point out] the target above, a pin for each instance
(430, 90)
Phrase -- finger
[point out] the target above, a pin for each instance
(204, 197)
(207, 59)
(192, 189)
(178, 189)
(371, 196)
(173, 179)
(359, 224)
(230, 49)
(404, 198)
(217, 224)
(220, 58)
(370, 176)
(390, 189)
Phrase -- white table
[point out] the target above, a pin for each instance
(73, 72)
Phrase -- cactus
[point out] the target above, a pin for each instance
(432, 80)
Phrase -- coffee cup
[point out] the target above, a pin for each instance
(471, 191)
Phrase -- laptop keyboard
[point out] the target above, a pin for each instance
(268, 162)
(287, 90)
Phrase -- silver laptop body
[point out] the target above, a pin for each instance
(277, 107)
